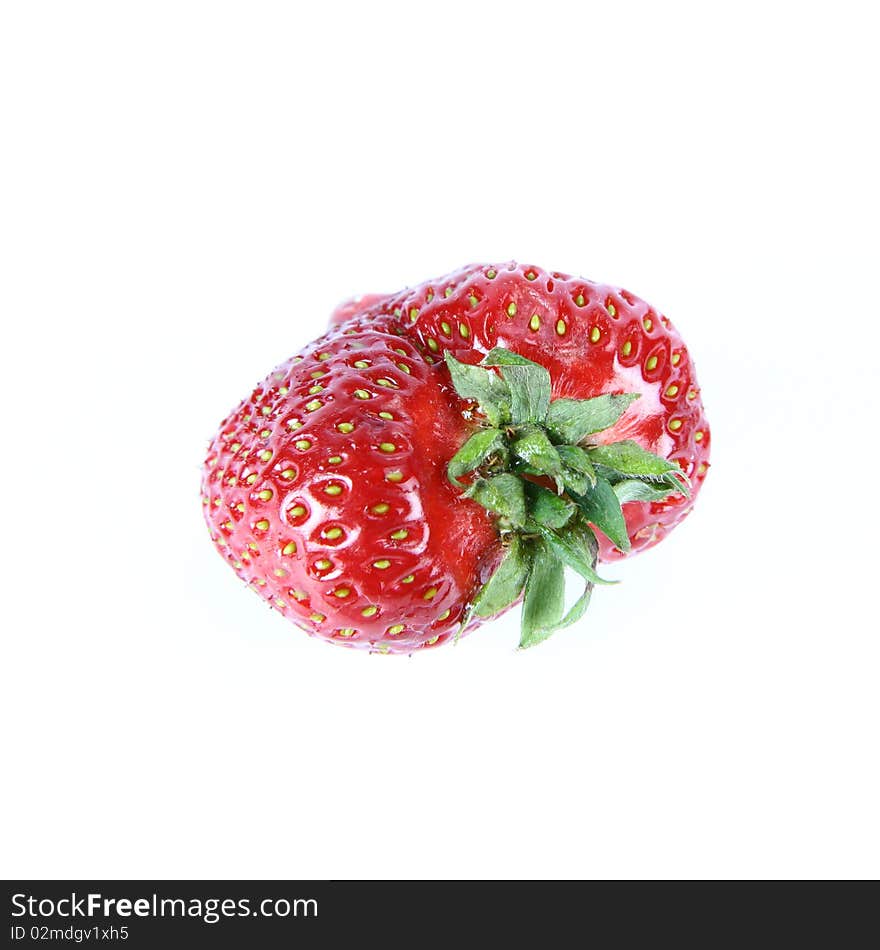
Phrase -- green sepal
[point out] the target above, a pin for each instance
(504, 495)
(547, 508)
(631, 489)
(629, 458)
(579, 608)
(482, 386)
(498, 356)
(601, 506)
(578, 472)
(506, 584)
(479, 447)
(539, 454)
(572, 420)
(573, 549)
(545, 596)
(529, 392)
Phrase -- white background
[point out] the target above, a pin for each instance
(188, 189)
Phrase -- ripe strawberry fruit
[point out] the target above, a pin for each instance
(593, 339)
(384, 490)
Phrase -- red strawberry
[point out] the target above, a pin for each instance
(352, 488)
(593, 339)
(326, 490)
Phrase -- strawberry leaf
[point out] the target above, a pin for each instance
(529, 385)
(629, 458)
(601, 506)
(482, 386)
(631, 489)
(503, 495)
(546, 508)
(505, 586)
(480, 446)
(577, 469)
(529, 392)
(579, 608)
(574, 550)
(539, 454)
(572, 420)
(545, 596)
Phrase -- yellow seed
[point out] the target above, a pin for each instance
(303, 444)
(361, 364)
(294, 424)
(333, 533)
(262, 525)
(369, 611)
(318, 373)
(265, 433)
(400, 535)
(387, 447)
(289, 474)
(361, 394)
(317, 618)
(279, 602)
(289, 548)
(535, 322)
(672, 391)
(297, 594)
(430, 593)
(313, 405)
(698, 437)
(345, 427)
(464, 330)
(626, 349)
(334, 459)
(394, 476)
(445, 329)
(648, 324)
(240, 507)
(324, 356)
(405, 368)
(385, 415)
(414, 314)
(341, 592)
(394, 630)
(560, 327)
(492, 272)
(333, 490)
(702, 469)
(382, 565)
(473, 300)
(253, 547)
(283, 391)
(676, 359)
(265, 494)
(651, 363)
(444, 615)
(595, 334)
(380, 509)
(692, 395)
(675, 424)
(346, 632)
(408, 579)
(323, 564)
(511, 309)
(265, 455)
(432, 641)
(387, 382)
(433, 345)
(266, 410)
(579, 300)
(296, 512)
(280, 572)
(316, 389)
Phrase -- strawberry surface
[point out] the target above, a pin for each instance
(326, 490)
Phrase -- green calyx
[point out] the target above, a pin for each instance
(532, 464)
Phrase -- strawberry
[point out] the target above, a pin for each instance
(593, 339)
(444, 453)
(326, 491)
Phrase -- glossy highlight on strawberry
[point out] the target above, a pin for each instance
(441, 453)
